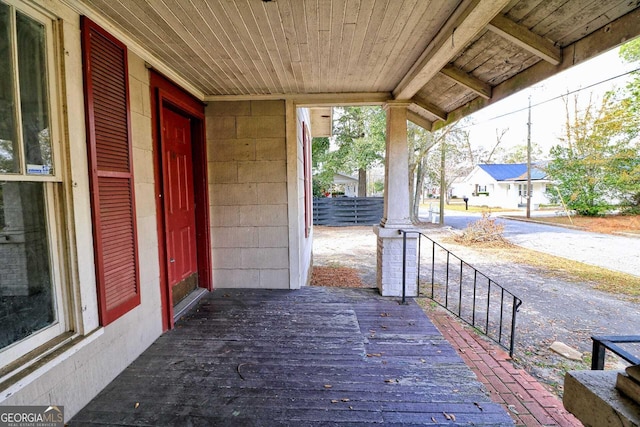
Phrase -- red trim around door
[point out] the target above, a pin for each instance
(166, 94)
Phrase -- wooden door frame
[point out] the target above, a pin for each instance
(164, 93)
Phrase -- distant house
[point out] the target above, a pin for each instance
(503, 185)
(345, 184)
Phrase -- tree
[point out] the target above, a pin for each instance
(630, 51)
(420, 142)
(629, 178)
(459, 155)
(425, 158)
(322, 177)
(360, 137)
(518, 154)
(597, 161)
(8, 156)
(477, 155)
(626, 179)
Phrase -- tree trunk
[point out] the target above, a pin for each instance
(443, 187)
(418, 192)
(362, 183)
(412, 183)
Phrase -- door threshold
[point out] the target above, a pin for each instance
(187, 303)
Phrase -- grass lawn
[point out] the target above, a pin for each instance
(459, 206)
(552, 266)
(561, 268)
(607, 224)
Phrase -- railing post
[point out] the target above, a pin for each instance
(501, 315)
(597, 355)
(419, 262)
(433, 267)
(486, 329)
(514, 310)
(602, 343)
(460, 293)
(446, 284)
(404, 266)
(473, 312)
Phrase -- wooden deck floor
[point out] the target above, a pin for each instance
(316, 356)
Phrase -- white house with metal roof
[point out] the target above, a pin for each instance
(345, 184)
(503, 186)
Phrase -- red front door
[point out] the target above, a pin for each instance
(179, 205)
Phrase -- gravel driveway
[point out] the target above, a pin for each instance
(615, 252)
(553, 309)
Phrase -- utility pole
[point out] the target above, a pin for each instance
(529, 162)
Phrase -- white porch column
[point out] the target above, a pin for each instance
(396, 209)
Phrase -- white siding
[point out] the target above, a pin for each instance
(306, 244)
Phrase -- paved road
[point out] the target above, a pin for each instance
(617, 253)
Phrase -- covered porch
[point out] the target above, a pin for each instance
(314, 356)
(234, 83)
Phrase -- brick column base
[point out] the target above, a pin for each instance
(389, 263)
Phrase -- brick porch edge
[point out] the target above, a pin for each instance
(521, 395)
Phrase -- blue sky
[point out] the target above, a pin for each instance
(547, 119)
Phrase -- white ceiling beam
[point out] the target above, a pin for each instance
(313, 99)
(469, 19)
(612, 35)
(417, 119)
(467, 80)
(433, 110)
(526, 39)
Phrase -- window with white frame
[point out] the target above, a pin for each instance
(31, 310)
(522, 190)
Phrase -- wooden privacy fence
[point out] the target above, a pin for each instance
(343, 211)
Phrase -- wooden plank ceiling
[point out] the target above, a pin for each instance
(447, 57)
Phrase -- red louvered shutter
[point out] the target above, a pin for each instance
(111, 171)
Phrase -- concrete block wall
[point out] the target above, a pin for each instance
(144, 178)
(247, 159)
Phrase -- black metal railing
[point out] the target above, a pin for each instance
(463, 290)
(610, 342)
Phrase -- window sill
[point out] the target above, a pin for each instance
(31, 366)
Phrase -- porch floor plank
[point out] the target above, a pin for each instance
(315, 356)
